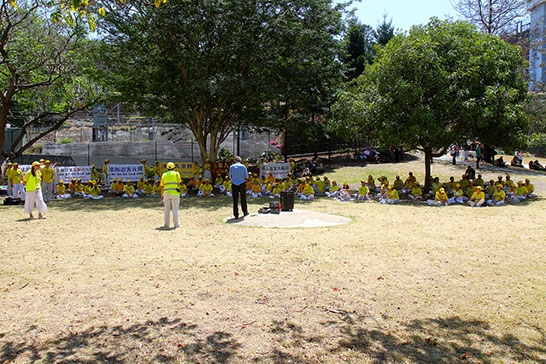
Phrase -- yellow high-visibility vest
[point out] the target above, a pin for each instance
(171, 182)
(32, 182)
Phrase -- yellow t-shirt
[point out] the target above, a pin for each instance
(521, 191)
(79, 187)
(499, 195)
(60, 189)
(441, 197)
(17, 176)
(363, 190)
(416, 191)
(156, 189)
(477, 196)
(398, 183)
(334, 188)
(308, 191)
(206, 188)
(392, 195)
(148, 188)
(48, 174)
(530, 188)
(129, 189)
(140, 185)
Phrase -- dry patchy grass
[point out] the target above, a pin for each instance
(98, 282)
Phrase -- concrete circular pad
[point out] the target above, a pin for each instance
(290, 219)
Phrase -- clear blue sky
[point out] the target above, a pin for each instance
(404, 13)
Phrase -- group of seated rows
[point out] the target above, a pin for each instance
(475, 191)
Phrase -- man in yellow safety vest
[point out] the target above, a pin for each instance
(170, 194)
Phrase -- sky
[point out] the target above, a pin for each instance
(404, 13)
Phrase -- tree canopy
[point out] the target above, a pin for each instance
(442, 83)
(212, 65)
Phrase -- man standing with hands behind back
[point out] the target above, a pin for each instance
(238, 175)
(170, 194)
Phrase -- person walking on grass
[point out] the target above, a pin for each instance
(238, 175)
(170, 194)
(32, 182)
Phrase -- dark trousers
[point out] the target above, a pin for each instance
(236, 191)
(478, 162)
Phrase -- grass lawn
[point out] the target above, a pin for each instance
(99, 282)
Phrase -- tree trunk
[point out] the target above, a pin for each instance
(428, 156)
(4, 110)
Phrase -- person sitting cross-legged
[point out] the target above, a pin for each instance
(363, 192)
(440, 199)
(530, 188)
(390, 196)
(498, 197)
(60, 191)
(416, 193)
(334, 190)
(478, 198)
(129, 190)
(458, 195)
(205, 190)
(308, 193)
(345, 193)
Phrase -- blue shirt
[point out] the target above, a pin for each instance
(238, 173)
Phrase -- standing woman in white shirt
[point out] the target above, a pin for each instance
(32, 181)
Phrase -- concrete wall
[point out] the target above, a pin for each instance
(133, 152)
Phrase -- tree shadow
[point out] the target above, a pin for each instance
(122, 345)
(437, 340)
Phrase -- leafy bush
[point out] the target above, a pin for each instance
(67, 141)
(537, 140)
(270, 155)
(225, 154)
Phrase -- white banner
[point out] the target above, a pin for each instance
(279, 170)
(125, 172)
(67, 173)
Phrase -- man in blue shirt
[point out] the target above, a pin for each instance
(238, 175)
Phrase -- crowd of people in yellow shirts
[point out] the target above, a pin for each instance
(469, 189)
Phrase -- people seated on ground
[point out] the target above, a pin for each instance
(72, 186)
(363, 192)
(308, 193)
(60, 191)
(345, 193)
(479, 181)
(416, 192)
(92, 191)
(271, 178)
(319, 186)
(436, 185)
(530, 188)
(205, 190)
(198, 182)
(196, 170)
(218, 183)
(225, 185)
(490, 189)
(306, 172)
(450, 186)
(498, 197)
(398, 183)
(508, 182)
(470, 173)
(383, 190)
(129, 190)
(521, 191)
(478, 198)
(536, 165)
(499, 162)
(140, 186)
(118, 188)
(256, 190)
(390, 196)
(327, 184)
(276, 191)
(148, 188)
(464, 182)
(334, 190)
(470, 190)
(515, 162)
(79, 189)
(183, 189)
(511, 194)
(440, 198)
(371, 183)
(156, 190)
(458, 195)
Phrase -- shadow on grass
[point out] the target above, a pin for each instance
(140, 342)
(435, 340)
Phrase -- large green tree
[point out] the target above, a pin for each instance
(212, 65)
(359, 48)
(442, 83)
(43, 70)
